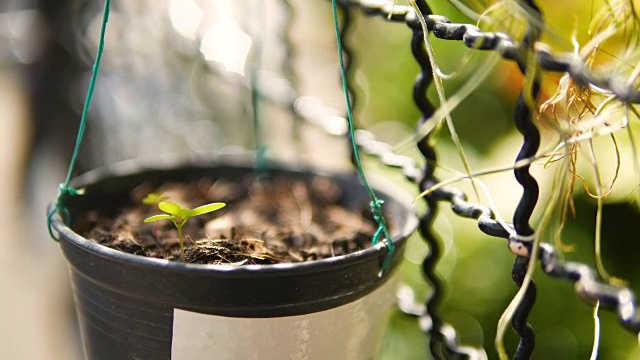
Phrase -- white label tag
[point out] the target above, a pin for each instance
(351, 331)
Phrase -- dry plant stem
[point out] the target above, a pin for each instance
(443, 101)
(598, 230)
(486, 66)
(465, 10)
(469, 86)
(531, 74)
(598, 251)
(585, 182)
(483, 187)
(596, 332)
(463, 93)
(507, 315)
(466, 60)
(599, 198)
(565, 188)
(535, 250)
(393, 5)
(552, 157)
(634, 153)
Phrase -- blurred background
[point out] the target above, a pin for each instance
(177, 76)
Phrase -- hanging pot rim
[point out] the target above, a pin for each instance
(135, 166)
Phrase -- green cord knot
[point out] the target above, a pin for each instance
(64, 192)
(376, 210)
(376, 204)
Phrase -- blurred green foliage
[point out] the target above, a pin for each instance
(475, 267)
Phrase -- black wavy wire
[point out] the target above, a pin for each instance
(587, 283)
(443, 342)
(528, 201)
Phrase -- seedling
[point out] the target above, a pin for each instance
(180, 215)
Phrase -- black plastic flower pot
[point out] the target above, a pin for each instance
(134, 307)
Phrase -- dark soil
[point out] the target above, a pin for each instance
(266, 221)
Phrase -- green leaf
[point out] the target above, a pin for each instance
(183, 215)
(158, 217)
(169, 207)
(154, 198)
(205, 209)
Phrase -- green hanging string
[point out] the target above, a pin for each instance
(376, 204)
(65, 190)
(256, 96)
